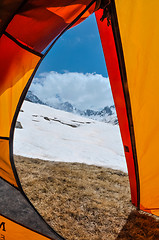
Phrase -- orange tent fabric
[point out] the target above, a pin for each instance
(13, 231)
(130, 45)
(131, 50)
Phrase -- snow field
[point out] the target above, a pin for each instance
(56, 135)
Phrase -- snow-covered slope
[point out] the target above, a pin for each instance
(107, 114)
(56, 135)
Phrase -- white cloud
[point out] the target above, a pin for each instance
(81, 90)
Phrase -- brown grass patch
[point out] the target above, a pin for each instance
(84, 202)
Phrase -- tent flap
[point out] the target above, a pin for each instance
(131, 51)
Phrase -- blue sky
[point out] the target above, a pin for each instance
(75, 70)
(78, 50)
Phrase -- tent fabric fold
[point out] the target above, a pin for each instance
(111, 57)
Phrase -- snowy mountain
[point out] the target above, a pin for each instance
(56, 135)
(107, 114)
(32, 98)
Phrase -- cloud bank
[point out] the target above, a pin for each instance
(84, 91)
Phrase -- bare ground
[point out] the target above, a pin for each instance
(84, 202)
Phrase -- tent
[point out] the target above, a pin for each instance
(129, 34)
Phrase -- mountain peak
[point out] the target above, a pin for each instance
(107, 114)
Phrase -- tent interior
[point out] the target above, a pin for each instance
(129, 36)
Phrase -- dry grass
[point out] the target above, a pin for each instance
(84, 202)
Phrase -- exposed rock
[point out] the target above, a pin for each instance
(18, 125)
(46, 118)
